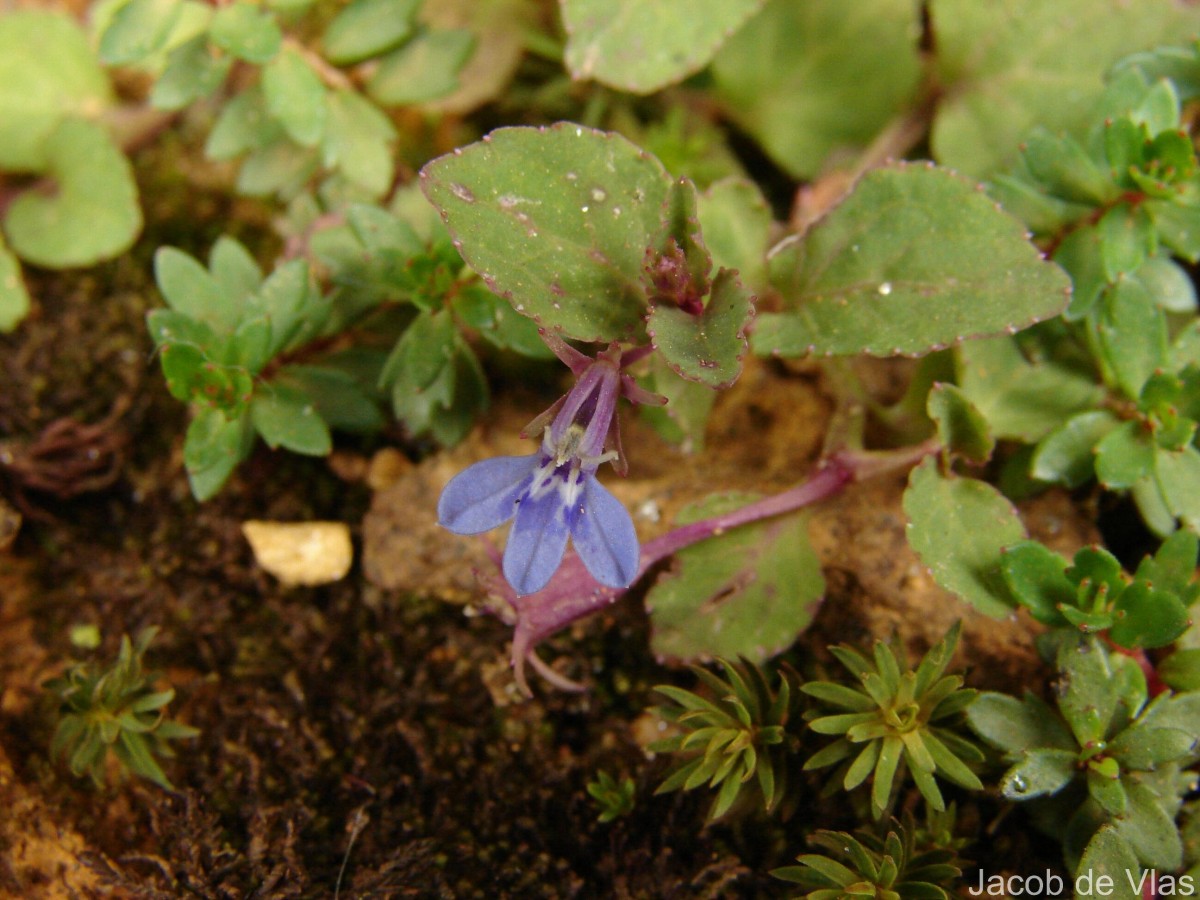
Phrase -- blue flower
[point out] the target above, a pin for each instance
(553, 495)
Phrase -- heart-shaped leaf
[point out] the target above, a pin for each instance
(93, 213)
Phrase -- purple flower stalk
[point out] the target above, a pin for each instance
(553, 494)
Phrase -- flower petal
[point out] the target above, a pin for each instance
(536, 543)
(485, 495)
(604, 537)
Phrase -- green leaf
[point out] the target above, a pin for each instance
(1109, 856)
(642, 47)
(494, 318)
(683, 419)
(213, 448)
(914, 259)
(424, 69)
(790, 75)
(1173, 567)
(139, 28)
(295, 97)
(1146, 748)
(93, 214)
(1168, 284)
(246, 31)
(192, 73)
(243, 124)
(367, 28)
(48, 73)
(1022, 399)
(1126, 239)
(358, 140)
(558, 221)
(1147, 617)
(1010, 66)
(287, 301)
(1065, 170)
(339, 398)
(1090, 694)
(706, 348)
(748, 592)
(1178, 476)
(282, 167)
(1124, 456)
(188, 288)
(286, 417)
(14, 298)
(961, 428)
(1181, 670)
(959, 527)
(1150, 830)
(1042, 772)
(1066, 455)
(236, 272)
(1016, 726)
(1036, 576)
(736, 222)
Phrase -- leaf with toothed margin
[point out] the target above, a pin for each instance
(641, 47)
(707, 348)
(557, 220)
(749, 592)
(914, 259)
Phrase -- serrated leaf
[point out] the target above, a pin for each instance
(425, 68)
(1066, 455)
(14, 298)
(1091, 692)
(246, 31)
(295, 97)
(366, 28)
(961, 428)
(93, 214)
(642, 47)
(791, 73)
(706, 348)
(914, 259)
(48, 72)
(558, 221)
(1065, 170)
(139, 28)
(286, 417)
(1016, 64)
(748, 592)
(1181, 670)
(958, 527)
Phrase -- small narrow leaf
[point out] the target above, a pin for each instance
(295, 97)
